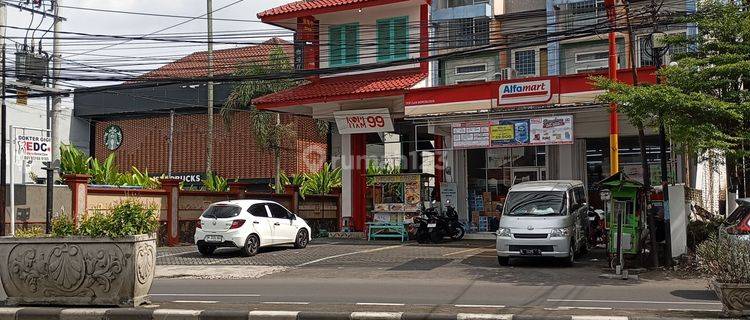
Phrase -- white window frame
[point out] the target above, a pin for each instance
(471, 80)
(537, 60)
(455, 69)
(592, 60)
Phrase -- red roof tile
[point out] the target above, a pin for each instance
(345, 88)
(304, 5)
(225, 60)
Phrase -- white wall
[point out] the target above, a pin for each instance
(367, 29)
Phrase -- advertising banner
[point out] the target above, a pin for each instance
(551, 130)
(33, 148)
(509, 132)
(363, 121)
(471, 134)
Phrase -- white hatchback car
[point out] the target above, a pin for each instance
(249, 225)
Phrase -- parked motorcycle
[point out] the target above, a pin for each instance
(597, 227)
(422, 222)
(455, 228)
(433, 227)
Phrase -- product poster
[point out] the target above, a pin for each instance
(509, 132)
(471, 135)
(551, 130)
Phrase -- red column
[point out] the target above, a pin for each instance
(359, 181)
(614, 126)
(172, 187)
(79, 184)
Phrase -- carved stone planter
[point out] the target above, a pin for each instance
(735, 297)
(77, 270)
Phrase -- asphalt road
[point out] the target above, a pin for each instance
(454, 277)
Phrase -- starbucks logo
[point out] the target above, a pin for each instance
(112, 137)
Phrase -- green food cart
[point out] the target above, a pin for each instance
(626, 198)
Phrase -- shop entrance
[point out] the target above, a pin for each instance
(491, 173)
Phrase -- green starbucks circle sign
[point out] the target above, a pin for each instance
(113, 137)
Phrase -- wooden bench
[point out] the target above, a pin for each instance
(387, 230)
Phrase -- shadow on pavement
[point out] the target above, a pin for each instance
(695, 294)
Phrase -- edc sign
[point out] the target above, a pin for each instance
(34, 148)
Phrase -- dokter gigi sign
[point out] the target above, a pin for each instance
(525, 92)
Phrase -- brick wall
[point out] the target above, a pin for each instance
(236, 154)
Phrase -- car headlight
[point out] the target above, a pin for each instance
(559, 233)
(503, 232)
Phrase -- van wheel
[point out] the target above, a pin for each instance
(503, 261)
(251, 246)
(206, 250)
(302, 239)
(571, 258)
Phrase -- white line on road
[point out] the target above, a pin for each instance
(478, 306)
(636, 301)
(287, 302)
(380, 304)
(204, 294)
(577, 308)
(194, 301)
(347, 254)
(462, 251)
(598, 318)
(696, 310)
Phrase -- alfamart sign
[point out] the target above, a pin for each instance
(525, 92)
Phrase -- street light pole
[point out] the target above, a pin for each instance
(210, 88)
(614, 126)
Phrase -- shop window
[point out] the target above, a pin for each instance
(597, 159)
(343, 46)
(393, 38)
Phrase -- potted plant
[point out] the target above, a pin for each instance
(108, 260)
(726, 260)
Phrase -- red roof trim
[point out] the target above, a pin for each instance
(316, 7)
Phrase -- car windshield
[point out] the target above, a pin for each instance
(221, 211)
(535, 203)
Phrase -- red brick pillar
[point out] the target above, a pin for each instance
(79, 184)
(172, 187)
(238, 188)
(293, 191)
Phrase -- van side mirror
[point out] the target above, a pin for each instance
(292, 216)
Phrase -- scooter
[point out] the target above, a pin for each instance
(434, 227)
(455, 228)
(425, 223)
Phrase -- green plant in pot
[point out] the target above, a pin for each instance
(107, 258)
(726, 260)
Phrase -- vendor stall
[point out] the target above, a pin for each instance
(396, 201)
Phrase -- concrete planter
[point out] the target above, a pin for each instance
(734, 296)
(77, 270)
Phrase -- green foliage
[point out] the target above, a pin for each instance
(63, 226)
(700, 231)
(373, 168)
(73, 160)
(215, 183)
(704, 96)
(321, 182)
(126, 218)
(288, 180)
(726, 259)
(140, 178)
(29, 232)
(105, 173)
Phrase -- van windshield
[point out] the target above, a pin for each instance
(535, 203)
(221, 211)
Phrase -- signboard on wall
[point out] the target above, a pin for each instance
(510, 133)
(363, 121)
(34, 148)
(471, 134)
(551, 130)
(525, 92)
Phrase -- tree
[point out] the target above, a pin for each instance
(704, 96)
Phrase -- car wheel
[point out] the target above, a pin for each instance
(252, 243)
(503, 261)
(571, 258)
(206, 250)
(302, 239)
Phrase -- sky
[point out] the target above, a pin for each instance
(124, 24)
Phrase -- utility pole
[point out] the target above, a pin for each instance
(56, 99)
(210, 88)
(4, 124)
(614, 126)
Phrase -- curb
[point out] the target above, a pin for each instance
(181, 314)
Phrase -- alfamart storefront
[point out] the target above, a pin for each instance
(498, 134)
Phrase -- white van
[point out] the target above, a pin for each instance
(544, 219)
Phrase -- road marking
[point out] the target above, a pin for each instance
(194, 301)
(578, 308)
(375, 315)
(696, 310)
(347, 254)
(636, 301)
(478, 306)
(483, 316)
(175, 254)
(287, 302)
(380, 304)
(462, 251)
(175, 313)
(204, 294)
(598, 318)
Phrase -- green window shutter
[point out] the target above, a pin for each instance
(351, 43)
(334, 45)
(384, 39)
(400, 37)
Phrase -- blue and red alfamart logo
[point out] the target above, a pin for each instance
(525, 92)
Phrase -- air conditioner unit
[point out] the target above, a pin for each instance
(506, 74)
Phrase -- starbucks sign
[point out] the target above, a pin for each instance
(113, 137)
